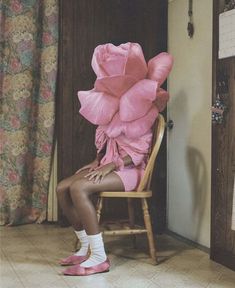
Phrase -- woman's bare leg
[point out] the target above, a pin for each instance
(64, 198)
(74, 195)
(81, 189)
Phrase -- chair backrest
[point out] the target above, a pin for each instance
(156, 143)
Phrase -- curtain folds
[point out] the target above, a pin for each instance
(28, 70)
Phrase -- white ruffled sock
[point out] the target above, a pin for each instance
(98, 254)
(83, 239)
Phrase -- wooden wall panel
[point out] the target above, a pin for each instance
(223, 135)
(84, 25)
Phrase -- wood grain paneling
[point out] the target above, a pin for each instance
(84, 24)
(222, 237)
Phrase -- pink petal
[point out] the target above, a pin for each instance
(136, 64)
(97, 107)
(136, 102)
(109, 60)
(114, 85)
(161, 99)
(159, 67)
(115, 127)
(139, 127)
(132, 129)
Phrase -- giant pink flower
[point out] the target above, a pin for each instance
(117, 70)
(127, 90)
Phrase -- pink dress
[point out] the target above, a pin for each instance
(119, 147)
(124, 103)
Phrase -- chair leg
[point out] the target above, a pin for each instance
(148, 226)
(99, 208)
(131, 213)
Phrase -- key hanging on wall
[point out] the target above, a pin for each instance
(190, 27)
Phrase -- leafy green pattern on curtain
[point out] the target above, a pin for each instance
(28, 70)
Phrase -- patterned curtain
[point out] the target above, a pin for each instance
(28, 69)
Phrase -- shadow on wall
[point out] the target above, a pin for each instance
(192, 161)
(199, 182)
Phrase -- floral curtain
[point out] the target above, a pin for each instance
(28, 69)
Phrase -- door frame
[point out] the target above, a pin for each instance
(217, 253)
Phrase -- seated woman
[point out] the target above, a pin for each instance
(100, 175)
(123, 140)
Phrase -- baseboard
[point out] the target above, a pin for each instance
(188, 241)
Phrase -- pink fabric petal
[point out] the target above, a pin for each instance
(139, 127)
(131, 129)
(137, 148)
(136, 102)
(136, 64)
(159, 67)
(114, 85)
(161, 99)
(109, 60)
(100, 138)
(112, 155)
(97, 107)
(115, 127)
(125, 59)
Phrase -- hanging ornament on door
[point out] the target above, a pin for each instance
(220, 106)
(190, 27)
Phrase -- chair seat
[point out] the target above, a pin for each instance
(126, 194)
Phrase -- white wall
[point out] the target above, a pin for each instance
(189, 143)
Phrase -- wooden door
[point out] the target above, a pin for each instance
(84, 24)
(223, 157)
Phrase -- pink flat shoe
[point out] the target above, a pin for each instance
(73, 260)
(78, 270)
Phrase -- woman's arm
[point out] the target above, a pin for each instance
(95, 163)
(98, 175)
(127, 160)
(101, 154)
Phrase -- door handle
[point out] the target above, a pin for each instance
(170, 124)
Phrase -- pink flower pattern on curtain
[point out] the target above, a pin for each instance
(28, 69)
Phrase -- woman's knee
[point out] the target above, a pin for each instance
(61, 188)
(79, 188)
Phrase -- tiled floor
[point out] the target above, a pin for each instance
(30, 253)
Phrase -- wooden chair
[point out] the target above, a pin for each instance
(143, 192)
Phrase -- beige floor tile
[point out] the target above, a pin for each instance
(153, 285)
(204, 276)
(149, 271)
(170, 278)
(6, 270)
(56, 284)
(10, 282)
(184, 263)
(97, 281)
(224, 281)
(39, 278)
(133, 280)
(6, 231)
(118, 271)
(30, 254)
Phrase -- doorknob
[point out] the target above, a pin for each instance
(170, 124)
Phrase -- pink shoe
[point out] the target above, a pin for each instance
(73, 260)
(78, 270)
